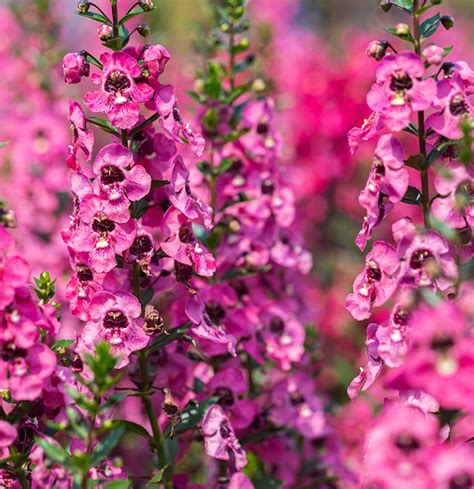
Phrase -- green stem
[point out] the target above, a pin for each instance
(20, 473)
(144, 124)
(425, 187)
(124, 137)
(115, 17)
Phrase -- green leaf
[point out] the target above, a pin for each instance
(238, 92)
(105, 446)
(104, 124)
(54, 452)
(159, 183)
(213, 84)
(246, 63)
(204, 167)
(406, 37)
(158, 477)
(406, 5)
(113, 400)
(429, 26)
(147, 296)
(412, 196)
(439, 151)
(119, 484)
(210, 119)
(133, 13)
(192, 416)
(62, 344)
(418, 162)
(97, 17)
(266, 482)
(174, 334)
(139, 208)
(225, 165)
(132, 427)
(448, 50)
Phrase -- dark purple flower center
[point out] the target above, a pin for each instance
(442, 343)
(458, 105)
(373, 272)
(267, 187)
(111, 174)
(465, 191)
(379, 168)
(225, 395)
(461, 481)
(183, 272)
(115, 319)
(296, 399)
(141, 245)
(117, 82)
(215, 312)
(176, 115)
(11, 352)
(103, 225)
(225, 430)
(263, 128)
(277, 325)
(400, 318)
(407, 443)
(400, 81)
(186, 234)
(84, 273)
(419, 258)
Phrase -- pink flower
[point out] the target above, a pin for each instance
(451, 467)
(82, 138)
(75, 67)
(455, 206)
(24, 371)
(372, 370)
(433, 54)
(182, 198)
(399, 89)
(115, 318)
(14, 273)
(219, 437)
(8, 434)
(119, 94)
(116, 182)
(296, 405)
(453, 100)
(181, 244)
(155, 58)
(386, 186)
(101, 236)
(370, 128)
(376, 283)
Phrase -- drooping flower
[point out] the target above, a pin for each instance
(82, 138)
(115, 318)
(120, 92)
(219, 437)
(400, 89)
(75, 66)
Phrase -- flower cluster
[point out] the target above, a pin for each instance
(426, 339)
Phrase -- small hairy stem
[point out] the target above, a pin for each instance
(144, 124)
(124, 137)
(115, 18)
(20, 473)
(99, 10)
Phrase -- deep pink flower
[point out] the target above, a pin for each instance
(119, 94)
(370, 128)
(376, 283)
(451, 467)
(374, 365)
(8, 434)
(433, 54)
(115, 318)
(400, 90)
(75, 67)
(14, 273)
(24, 371)
(386, 186)
(453, 101)
(82, 138)
(181, 244)
(296, 405)
(116, 181)
(219, 437)
(155, 58)
(101, 236)
(455, 206)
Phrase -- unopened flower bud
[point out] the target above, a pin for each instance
(147, 5)
(402, 29)
(143, 29)
(105, 32)
(83, 7)
(8, 218)
(377, 49)
(436, 2)
(433, 54)
(75, 66)
(385, 5)
(199, 85)
(259, 85)
(224, 27)
(447, 21)
(153, 320)
(244, 43)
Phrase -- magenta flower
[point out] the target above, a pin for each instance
(441, 357)
(400, 90)
(451, 466)
(75, 67)
(101, 236)
(370, 128)
(181, 244)
(376, 283)
(14, 273)
(374, 365)
(231, 386)
(23, 372)
(120, 93)
(219, 437)
(386, 186)
(8, 434)
(182, 198)
(453, 101)
(155, 58)
(296, 405)
(455, 206)
(116, 182)
(433, 54)
(82, 138)
(115, 318)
